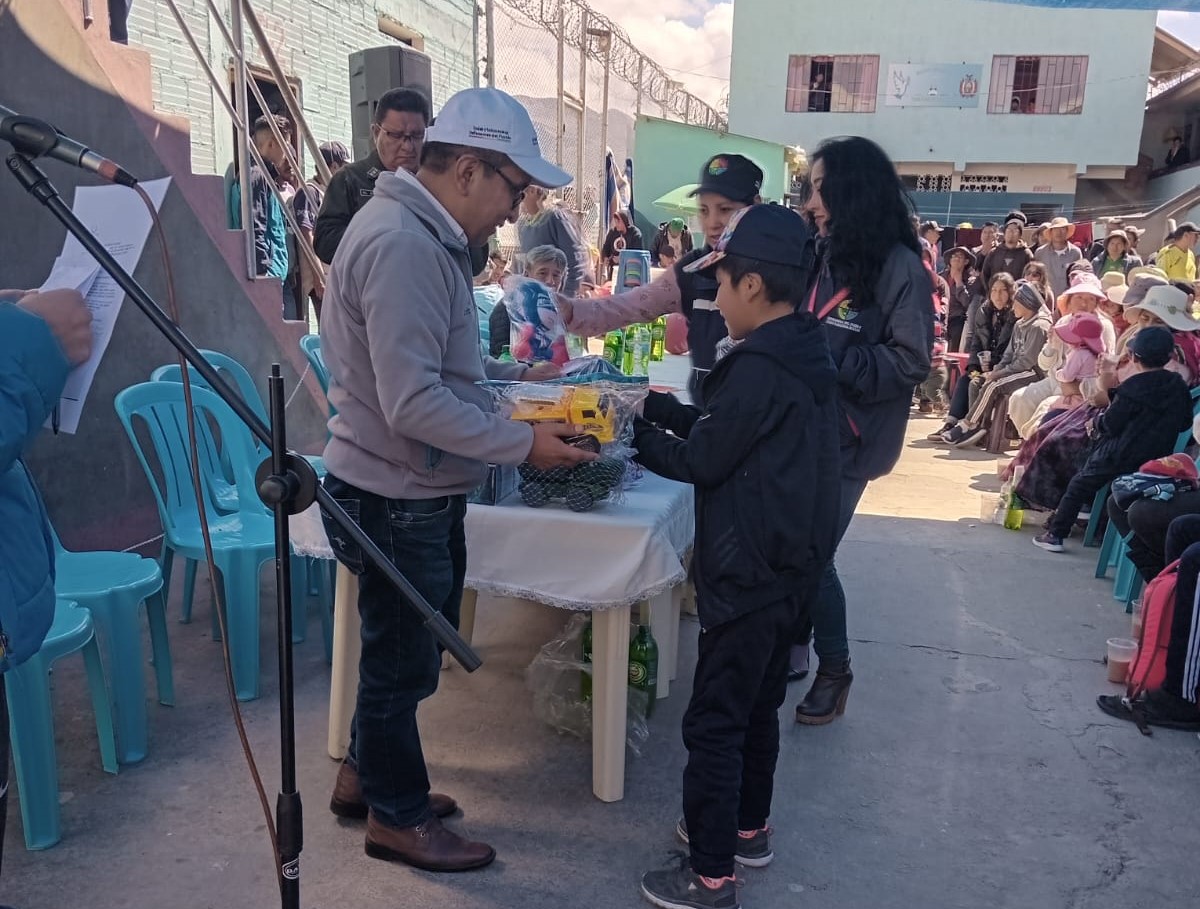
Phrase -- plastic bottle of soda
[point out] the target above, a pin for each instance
(643, 665)
(642, 346)
(1015, 516)
(506, 356)
(658, 339)
(585, 677)
(627, 353)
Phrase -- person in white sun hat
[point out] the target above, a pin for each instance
(413, 433)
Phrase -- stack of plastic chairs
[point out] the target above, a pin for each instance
(317, 574)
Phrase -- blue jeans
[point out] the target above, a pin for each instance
(400, 662)
(827, 615)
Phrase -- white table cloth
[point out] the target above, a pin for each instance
(618, 554)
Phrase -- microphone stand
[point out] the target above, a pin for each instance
(288, 484)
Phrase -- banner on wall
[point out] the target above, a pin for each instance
(933, 84)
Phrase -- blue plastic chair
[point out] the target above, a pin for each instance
(112, 586)
(31, 721)
(220, 481)
(1097, 515)
(242, 541)
(1128, 583)
(311, 346)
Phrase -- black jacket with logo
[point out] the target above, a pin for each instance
(349, 190)
(881, 348)
(763, 457)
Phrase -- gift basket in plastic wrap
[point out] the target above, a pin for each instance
(602, 403)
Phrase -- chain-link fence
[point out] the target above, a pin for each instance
(584, 84)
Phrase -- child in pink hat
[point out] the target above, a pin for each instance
(1082, 333)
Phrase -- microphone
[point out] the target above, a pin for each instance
(38, 139)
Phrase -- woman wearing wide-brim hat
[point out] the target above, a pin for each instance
(1169, 306)
(965, 293)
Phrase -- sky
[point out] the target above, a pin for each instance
(691, 38)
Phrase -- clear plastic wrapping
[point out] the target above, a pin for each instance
(560, 680)
(536, 333)
(604, 411)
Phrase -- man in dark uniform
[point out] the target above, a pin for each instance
(399, 134)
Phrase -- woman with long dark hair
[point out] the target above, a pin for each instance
(874, 296)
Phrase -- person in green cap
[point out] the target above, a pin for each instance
(672, 235)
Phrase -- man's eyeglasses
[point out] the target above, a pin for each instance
(403, 138)
(518, 191)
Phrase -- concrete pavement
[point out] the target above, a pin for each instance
(971, 769)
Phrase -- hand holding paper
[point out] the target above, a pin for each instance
(68, 317)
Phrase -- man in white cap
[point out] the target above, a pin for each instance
(413, 433)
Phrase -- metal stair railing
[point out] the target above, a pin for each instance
(241, 12)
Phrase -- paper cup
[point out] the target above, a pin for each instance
(1121, 652)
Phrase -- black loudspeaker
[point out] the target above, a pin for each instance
(374, 71)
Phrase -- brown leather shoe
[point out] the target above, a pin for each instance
(429, 846)
(347, 800)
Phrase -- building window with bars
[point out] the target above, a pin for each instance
(844, 84)
(1037, 85)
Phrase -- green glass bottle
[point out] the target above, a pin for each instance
(585, 677)
(658, 339)
(614, 347)
(643, 665)
(506, 356)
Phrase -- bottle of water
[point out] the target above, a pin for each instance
(642, 345)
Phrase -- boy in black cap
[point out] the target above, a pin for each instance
(1148, 412)
(763, 457)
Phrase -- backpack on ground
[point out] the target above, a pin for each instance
(1148, 670)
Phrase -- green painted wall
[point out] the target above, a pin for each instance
(667, 155)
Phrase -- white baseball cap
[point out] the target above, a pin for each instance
(488, 118)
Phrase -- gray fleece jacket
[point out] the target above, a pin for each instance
(1028, 338)
(401, 340)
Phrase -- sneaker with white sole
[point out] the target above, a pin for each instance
(954, 434)
(752, 851)
(1049, 542)
(972, 437)
(936, 436)
(683, 888)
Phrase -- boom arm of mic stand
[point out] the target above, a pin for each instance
(38, 185)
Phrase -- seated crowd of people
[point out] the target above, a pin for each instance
(1095, 358)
